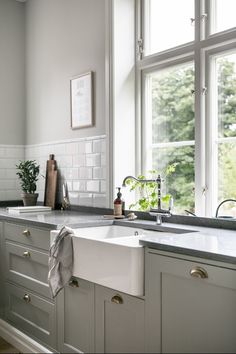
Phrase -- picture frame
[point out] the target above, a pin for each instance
(81, 101)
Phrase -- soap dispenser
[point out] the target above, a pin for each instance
(118, 204)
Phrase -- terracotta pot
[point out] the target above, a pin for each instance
(29, 199)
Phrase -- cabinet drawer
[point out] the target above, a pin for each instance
(27, 267)
(27, 235)
(31, 314)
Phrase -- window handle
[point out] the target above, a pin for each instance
(204, 91)
(204, 17)
(192, 21)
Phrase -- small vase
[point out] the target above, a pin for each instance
(29, 199)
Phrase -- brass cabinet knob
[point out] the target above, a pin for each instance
(74, 283)
(26, 254)
(26, 233)
(117, 299)
(199, 272)
(26, 298)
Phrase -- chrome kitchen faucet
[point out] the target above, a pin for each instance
(158, 212)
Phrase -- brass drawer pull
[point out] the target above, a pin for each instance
(199, 272)
(74, 283)
(117, 299)
(26, 233)
(26, 254)
(26, 298)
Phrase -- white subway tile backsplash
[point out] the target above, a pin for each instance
(93, 160)
(74, 198)
(99, 200)
(12, 195)
(71, 148)
(79, 164)
(103, 187)
(88, 147)
(103, 159)
(3, 195)
(58, 149)
(85, 173)
(81, 147)
(97, 146)
(93, 186)
(65, 161)
(10, 155)
(86, 199)
(79, 160)
(99, 173)
(71, 173)
(79, 186)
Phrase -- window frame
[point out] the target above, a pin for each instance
(199, 51)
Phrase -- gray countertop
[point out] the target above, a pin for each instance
(56, 219)
(197, 241)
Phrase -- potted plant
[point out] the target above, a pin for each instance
(28, 172)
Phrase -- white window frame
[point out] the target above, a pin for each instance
(199, 51)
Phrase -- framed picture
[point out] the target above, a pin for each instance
(81, 100)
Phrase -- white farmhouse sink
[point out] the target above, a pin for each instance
(110, 256)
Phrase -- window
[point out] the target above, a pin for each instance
(188, 99)
(223, 126)
(171, 127)
(221, 15)
(160, 16)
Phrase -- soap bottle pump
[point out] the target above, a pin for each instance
(118, 204)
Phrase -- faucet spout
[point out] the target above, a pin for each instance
(158, 212)
(137, 179)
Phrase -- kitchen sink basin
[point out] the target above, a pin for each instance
(107, 232)
(110, 256)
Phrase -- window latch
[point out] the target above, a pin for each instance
(140, 48)
(204, 17)
(192, 21)
(204, 91)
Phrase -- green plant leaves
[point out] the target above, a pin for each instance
(148, 190)
(28, 172)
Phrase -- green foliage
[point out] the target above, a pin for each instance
(173, 120)
(226, 98)
(148, 190)
(28, 172)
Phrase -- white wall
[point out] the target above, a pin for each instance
(64, 38)
(12, 72)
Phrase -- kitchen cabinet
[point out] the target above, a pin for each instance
(27, 301)
(119, 322)
(76, 317)
(190, 305)
(31, 313)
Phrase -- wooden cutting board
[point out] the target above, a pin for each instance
(51, 183)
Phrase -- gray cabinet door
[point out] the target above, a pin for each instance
(32, 314)
(189, 313)
(76, 317)
(27, 267)
(119, 322)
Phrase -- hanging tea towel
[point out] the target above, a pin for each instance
(60, 261)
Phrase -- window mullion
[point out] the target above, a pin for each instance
(200, 182)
